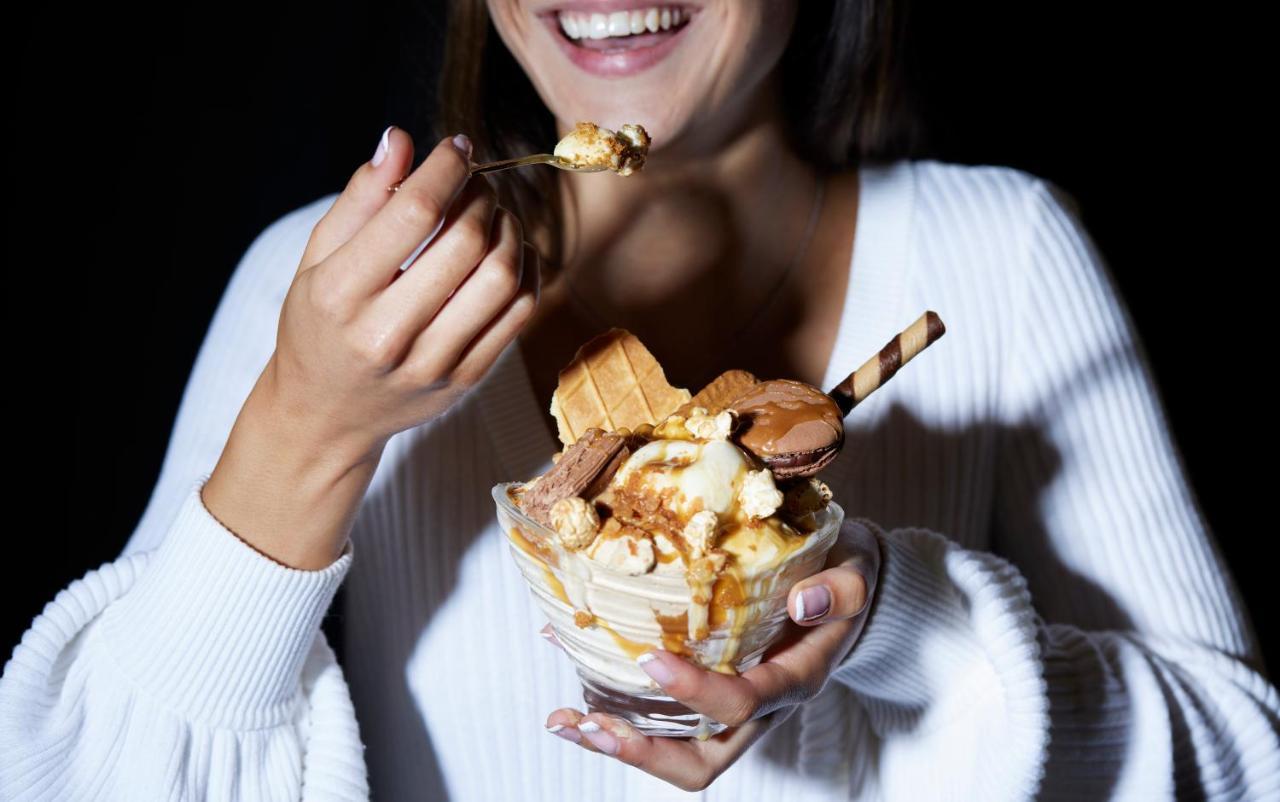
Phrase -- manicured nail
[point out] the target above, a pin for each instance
(655, 668)
(568, 733)
(599, 738)
(812, 603)
(463, 143)
(384, 145)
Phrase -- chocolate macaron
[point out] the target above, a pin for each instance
(794, 428)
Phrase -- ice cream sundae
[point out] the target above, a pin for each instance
(676, 520)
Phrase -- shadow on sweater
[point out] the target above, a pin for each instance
(892, 472)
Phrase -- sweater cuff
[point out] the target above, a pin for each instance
(215, 628)
(951, 644)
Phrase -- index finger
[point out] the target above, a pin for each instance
(403, 226)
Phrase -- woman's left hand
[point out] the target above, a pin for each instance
(835, 603)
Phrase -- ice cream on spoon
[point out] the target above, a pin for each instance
(587, 148)
(592, 148)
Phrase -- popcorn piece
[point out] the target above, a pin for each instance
(759, 497)
(672, 428)
(700, 532)
(806, 497)
(630, 552)
(710, 427)
(575, 521)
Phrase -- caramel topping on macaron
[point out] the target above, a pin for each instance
(793, 427)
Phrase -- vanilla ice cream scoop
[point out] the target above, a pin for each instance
(686, 475)
(592, 148)
(705, 499)
(700, 494)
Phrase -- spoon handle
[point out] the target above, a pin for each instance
(490, 167)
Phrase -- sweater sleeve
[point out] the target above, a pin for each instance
(1102, 649)
(193, 666)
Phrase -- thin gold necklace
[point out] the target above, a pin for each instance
(717, 364)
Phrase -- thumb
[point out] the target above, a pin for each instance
(843, 588)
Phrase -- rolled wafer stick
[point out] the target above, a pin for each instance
(880, 368)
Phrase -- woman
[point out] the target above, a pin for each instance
(1025, 598)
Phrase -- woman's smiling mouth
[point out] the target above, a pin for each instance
(612, 41)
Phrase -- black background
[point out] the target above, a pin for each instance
(152, 146)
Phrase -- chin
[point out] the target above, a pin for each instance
(672, 68)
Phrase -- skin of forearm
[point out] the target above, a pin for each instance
(286, 487)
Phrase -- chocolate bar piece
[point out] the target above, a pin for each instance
(584, 470)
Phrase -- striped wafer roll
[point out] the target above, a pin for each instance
(880, 368)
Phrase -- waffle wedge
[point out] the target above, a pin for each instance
(722, 390)
(612, 383)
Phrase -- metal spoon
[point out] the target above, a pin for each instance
(537, 158)
(507, 164)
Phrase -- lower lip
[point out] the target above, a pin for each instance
(618, 63)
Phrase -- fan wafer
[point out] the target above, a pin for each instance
(612, 383)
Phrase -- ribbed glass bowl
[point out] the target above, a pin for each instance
(606, 618)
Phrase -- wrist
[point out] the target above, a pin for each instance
(286, 489)
(309, 427)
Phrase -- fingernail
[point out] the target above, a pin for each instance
(384, 145)
(812, 603)
(599, 738)
(568, 733)
(655, 668)
(463, 143)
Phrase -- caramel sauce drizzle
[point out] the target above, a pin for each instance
(543, 555)
(632, 648)
(674, 630)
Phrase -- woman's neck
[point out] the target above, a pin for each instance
(687, 250)
(695, 256)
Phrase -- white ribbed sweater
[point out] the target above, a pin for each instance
(1052, 612)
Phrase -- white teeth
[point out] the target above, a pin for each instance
(619, 24)
(579, 25)
(599, 28)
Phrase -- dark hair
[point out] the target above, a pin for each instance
(844, 90)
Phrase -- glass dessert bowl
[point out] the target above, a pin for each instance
(606, 617)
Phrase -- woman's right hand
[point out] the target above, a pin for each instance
(364, 350)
